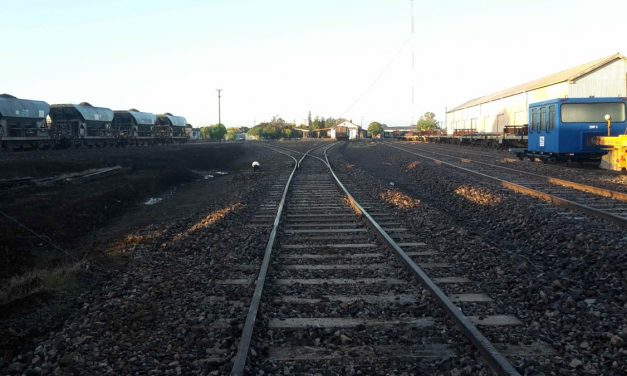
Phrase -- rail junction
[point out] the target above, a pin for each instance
(328, 289)
(345, 258)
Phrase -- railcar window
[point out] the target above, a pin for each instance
(535, 119)
(592, 112)
(551, 123)
(543, 119)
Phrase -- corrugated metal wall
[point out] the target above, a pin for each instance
(609, 81)
(606, 82)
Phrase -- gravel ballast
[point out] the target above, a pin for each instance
(560, 272)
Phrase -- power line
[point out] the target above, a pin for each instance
(385, 69)
(39, 236)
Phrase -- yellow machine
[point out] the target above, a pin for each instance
(616, 157)
(616, 146)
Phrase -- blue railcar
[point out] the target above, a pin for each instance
(565, 129)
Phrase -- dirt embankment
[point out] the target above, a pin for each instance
(47, 197)
(70, 200)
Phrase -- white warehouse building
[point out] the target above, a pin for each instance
(605, 77)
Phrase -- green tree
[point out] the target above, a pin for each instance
(375, 128)
(255, 132)
(217, 131)
(318, 123)
(205, 133)
(287, 132)
(274, 129)
(427, 122)
(231, 134)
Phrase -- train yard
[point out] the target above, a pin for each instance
(596, 201)
(333, 259)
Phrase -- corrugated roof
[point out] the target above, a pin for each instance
(23, 108)
(86, 111)
(176, 121)
(567, 75)
(141, 118)
(347, 124)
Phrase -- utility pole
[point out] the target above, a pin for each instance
(413, 51)
(219, 114)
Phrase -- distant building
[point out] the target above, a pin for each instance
(606, 77)
(192, 133)
(343, 131)
(396, 132)
(195, 133)
(346, 131)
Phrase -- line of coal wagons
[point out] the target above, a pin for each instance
(30, 124)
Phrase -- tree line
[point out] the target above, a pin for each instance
(275, 129)
(214, 132)
(426, 123)
(278, 128)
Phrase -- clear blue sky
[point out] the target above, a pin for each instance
(281, 57)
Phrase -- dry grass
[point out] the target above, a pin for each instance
(350, 203)
(38, 280)
(412, 166)
(129, 242)
(210, 220)
(618, 179)
(478, 196)
(398, 199)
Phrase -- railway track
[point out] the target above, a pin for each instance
(501, 156)
(477, 153)
(331, 300)
(595, 201)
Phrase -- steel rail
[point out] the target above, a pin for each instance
(495, 360)
(443, 145)
(603, 192)
(555, 200)
(239, 361)
(300, 152)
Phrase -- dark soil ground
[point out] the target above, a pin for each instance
(67, 213)
(58, 239)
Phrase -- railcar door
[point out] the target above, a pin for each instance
(75, 129)
(551, 134)
(548, 140)
(536, 141)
